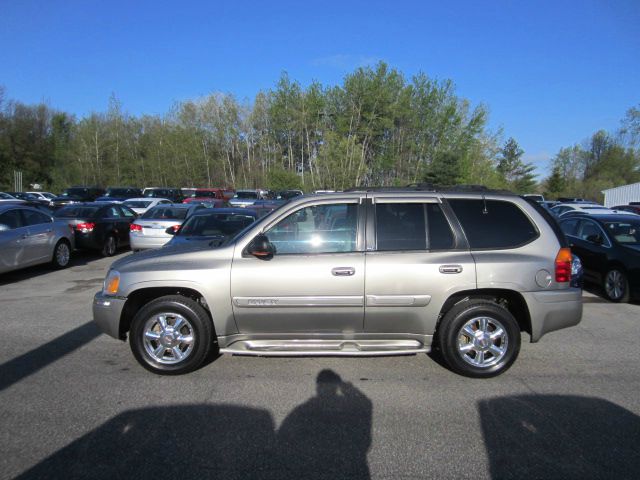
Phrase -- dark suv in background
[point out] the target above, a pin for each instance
(77, 194)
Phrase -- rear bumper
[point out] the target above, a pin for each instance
(106, 313)
(142, 242)
(553, 310)
(87, 240)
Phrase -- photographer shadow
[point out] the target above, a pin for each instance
(326, 437)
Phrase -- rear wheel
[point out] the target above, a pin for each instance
(61, 254)
(616, 285)
(110, 246)
(171, 335)
(478, 338)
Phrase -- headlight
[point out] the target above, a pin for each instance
(111, 283)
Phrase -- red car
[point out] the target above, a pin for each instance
(205, 194)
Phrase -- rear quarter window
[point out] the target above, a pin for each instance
(493, 224)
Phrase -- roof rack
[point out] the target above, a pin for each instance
(430, 187)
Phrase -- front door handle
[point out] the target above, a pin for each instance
(343, 271)
(450, 269)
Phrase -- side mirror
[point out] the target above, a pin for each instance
(171, 231)
(261, 247)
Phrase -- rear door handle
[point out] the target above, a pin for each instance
(450, 269)
(343, 271)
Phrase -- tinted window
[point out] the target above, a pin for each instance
(401, 226)
(79, 211)
(11, 219)
(246, 195)
(440, 234)
(166, 213)
(569, 227)
(493, 223)
(112, 212)
(35, 218)
(317, 229)
(127, 212)
(218, 224)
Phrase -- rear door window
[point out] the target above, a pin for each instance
(35, 218)
(11, 219)
(493, 224)
(412, 226)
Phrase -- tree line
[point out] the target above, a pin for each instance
(376, 128)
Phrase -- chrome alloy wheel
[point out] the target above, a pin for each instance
(168, 338)
(62, 254)
(614, 284)
(482, 342)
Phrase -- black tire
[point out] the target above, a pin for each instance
(450, 338)
(616, 285)
(109, 246)
(61, 255)
(198, 324)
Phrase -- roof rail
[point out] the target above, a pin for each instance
(429, 187)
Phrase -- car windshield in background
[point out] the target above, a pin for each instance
(74, 192)
(76, 212)
(246, 195)
(156, 193)
(137, 204)
(166, 213)
(212, 225)
(6, 196)
(625, 232)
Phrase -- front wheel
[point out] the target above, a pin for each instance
(616, 285)
(478, 338)
(61, 254)
(171, 335)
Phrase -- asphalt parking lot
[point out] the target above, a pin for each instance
(74, 403)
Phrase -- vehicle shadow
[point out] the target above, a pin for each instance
(596, 290)
(327, 437)
(559, 436)
(78, 258)
(29, 363)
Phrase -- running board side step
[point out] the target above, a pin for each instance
(314, 347)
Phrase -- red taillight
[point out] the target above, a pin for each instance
(563, 265)
(134, 227)
(85, 227)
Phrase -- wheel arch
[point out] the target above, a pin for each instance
(140, 297)
(512, 300)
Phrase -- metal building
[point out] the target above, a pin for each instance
(622, 195)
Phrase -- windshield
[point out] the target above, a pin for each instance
(156, 193)
(220, 224)
(627, 232)
(166, 213)
(6, 196)
(245, 195)
(76, 212)
(137, 203)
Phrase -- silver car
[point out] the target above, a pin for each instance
(364, 272)
(245, 198)
(31, 237)
(150, 230)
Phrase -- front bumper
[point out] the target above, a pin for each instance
(553, 310)
(106, 313)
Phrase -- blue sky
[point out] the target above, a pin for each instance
(551, 73)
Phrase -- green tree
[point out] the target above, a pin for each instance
(517, 175)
